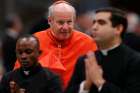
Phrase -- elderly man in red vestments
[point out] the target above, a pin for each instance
(61, 44)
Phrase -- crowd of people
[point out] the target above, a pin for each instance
(62, 59)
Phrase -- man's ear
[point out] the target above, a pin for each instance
(49, 20)
(119, 28)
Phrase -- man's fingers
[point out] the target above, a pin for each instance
(91, 57)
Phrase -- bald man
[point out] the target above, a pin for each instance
(61, 44)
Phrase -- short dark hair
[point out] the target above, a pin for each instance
(117, 17)
(30, 36)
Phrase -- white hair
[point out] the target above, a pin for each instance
(51, 8)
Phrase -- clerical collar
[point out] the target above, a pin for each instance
(26, 73)
(31, 70)
(105, 51)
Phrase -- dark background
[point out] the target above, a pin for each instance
(33, 10)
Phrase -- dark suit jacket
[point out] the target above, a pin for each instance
(8, 51)
(121, 69)
(39, 80)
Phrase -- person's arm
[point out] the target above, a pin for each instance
(131, 83)
(131, 79)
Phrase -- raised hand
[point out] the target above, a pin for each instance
(94, 72)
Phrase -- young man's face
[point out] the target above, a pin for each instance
(27, 52)
(103, 31)
(62, 24)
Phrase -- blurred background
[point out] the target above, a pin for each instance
(32, 11)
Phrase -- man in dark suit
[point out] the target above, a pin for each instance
(115, 67)
(13, 29)
(31, 77)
